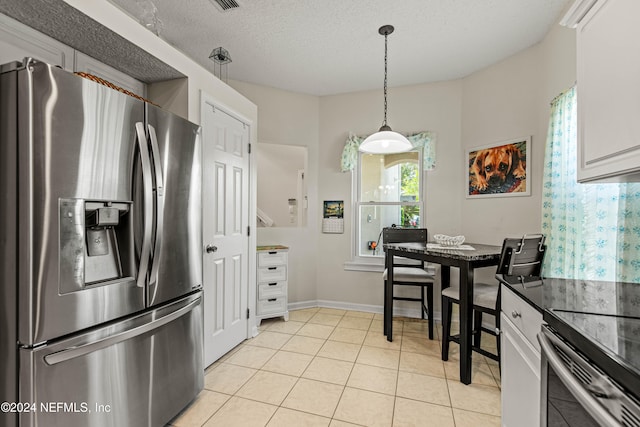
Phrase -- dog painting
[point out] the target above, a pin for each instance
(499, 170)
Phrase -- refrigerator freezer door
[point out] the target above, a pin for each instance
(76, 142)
(139, 372)
(177, 253)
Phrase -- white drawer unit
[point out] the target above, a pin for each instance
(272, 282)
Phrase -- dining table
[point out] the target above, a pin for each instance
(466, 258)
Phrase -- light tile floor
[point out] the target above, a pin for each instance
(328, 367)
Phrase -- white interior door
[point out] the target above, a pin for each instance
(225, 200)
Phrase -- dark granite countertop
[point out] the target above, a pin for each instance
(585, 296)
(478, 253)
(601, 319)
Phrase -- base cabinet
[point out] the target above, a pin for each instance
(272, 299)
(520, 362)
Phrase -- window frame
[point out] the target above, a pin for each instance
(376, 263)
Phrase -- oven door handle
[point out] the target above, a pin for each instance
(577, 389)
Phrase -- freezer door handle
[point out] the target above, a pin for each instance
(148, 205)
(73, 352)
(157, 164)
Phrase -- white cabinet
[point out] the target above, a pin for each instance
(89, 65)
(608, 87)
(272, 297)
(520, 361)
(18, 41)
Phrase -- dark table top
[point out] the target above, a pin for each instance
(479, 252)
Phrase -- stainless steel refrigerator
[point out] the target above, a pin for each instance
(100, 244)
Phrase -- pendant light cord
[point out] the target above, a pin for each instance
(384, 123)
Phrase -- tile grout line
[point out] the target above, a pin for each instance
(361, 344)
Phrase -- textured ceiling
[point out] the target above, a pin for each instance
(67, 25)
(326, 47)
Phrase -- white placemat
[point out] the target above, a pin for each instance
(456, 248)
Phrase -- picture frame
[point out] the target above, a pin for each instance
(333, 216)
(501, 169)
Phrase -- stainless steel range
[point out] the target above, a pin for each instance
(100, 241)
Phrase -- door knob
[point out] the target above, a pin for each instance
(211, 249)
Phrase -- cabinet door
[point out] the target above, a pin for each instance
(520, 378)
(18, 41)
(608, 71)
(87, 64)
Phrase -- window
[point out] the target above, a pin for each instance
(592, 229)
(387, 191)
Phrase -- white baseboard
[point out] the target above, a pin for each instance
(406, 312)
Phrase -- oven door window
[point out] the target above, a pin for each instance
(563, 410)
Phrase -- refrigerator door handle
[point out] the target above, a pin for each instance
(157, 162)
(73, 352)
(147, 205)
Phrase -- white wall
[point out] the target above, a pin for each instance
(277, 175)
(292, 119)
(506, 100)
(435, 107)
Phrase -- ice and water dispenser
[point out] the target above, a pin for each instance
(96, 243)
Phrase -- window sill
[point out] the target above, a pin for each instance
(374, 266)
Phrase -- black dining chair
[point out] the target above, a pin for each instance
(407, 272)
(519, 257)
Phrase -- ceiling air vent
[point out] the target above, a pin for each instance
(225, 5)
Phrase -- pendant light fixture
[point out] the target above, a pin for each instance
(385, 141)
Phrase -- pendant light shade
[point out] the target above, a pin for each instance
(385, 141)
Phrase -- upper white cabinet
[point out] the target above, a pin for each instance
(87, 64)
(18, 41)
(608, 84)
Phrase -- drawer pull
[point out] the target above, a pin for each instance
(515, 314)
(273, 253)
(272, 299)
(273, 284)
(273, 268)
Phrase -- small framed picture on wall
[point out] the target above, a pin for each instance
(333, 216)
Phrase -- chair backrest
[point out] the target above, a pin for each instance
(522, 256)
(404, 235)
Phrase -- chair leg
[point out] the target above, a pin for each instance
(446, 326)
(477, 328)
(422, 313)
(430, 310)
(384, 323)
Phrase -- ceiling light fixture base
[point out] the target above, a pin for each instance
(385, 30)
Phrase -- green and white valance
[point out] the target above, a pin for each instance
(425, 141)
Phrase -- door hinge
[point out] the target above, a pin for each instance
(249, 149)
(248, 230)
(248, 311)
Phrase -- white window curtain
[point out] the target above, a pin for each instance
(421, 140)
(593, 230)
